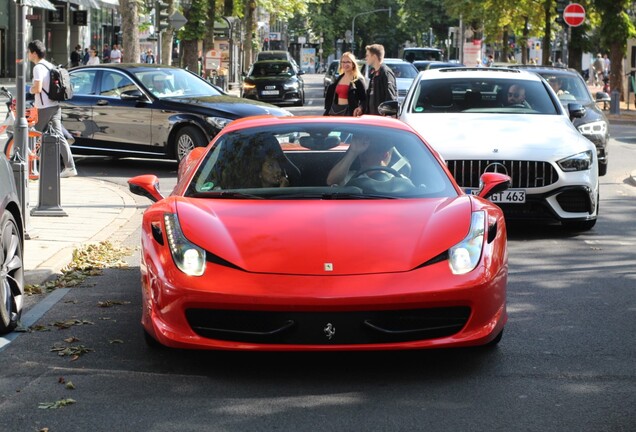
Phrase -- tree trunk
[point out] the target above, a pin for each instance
(190, 56)
(504, 44)
(130, 27)
(167, 36)
(250, 30)
(545, 43)
(616, 68)
(524, 42)
(208, 40)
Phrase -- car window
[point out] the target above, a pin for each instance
(169, 82)
(298, 158)
(485, 95)
(83, 82)
(571, 88)
(403, 70)
(115, 83)
(411, 55)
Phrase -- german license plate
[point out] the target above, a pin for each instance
(509, 196)
(269, 92)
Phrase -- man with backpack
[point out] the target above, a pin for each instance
(49, 110)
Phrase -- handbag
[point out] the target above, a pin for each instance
(339, 110)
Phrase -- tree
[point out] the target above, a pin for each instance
(129, 11)
(193, 32)
(615, 29)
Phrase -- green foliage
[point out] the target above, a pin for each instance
(196, 26)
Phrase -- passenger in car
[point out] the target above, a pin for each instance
(557, 86)
(368, 154)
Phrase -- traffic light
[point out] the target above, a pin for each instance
(161, 15)
(560, 7)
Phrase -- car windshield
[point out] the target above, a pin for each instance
(481, 95)
(422, 54)
(167, 82)
(272, 69)
(296, 161)
(569, 88)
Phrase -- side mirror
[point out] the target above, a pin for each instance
(492, 183)
(602, 97)
(301, 72)
(576, 110)
(389, 108)
(147, 186)
(131, 95)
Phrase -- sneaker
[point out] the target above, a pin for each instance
(68, 172)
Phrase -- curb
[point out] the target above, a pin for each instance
(116, 232)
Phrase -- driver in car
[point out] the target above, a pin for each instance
(369, 154)
(517, 96)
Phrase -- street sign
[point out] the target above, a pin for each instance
(177, 20)
(574, 15)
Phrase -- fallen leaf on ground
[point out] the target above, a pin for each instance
(57, 404)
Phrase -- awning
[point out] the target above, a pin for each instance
(91, 4)
(42, 4)
(110, 4)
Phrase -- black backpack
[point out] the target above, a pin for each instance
(60, 88)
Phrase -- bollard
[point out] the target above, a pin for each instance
(615, 103)
(49, 196)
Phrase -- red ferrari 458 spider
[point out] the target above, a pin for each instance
(321, 233)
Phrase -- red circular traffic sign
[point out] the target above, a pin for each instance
(574, 14)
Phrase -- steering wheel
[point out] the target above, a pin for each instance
(386, 169)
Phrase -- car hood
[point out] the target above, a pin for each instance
(403, 83)
(302, 237)
(230, 105)
(500, 136)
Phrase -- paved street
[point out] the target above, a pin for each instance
(566, 361)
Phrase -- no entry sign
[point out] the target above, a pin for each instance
(574, 15)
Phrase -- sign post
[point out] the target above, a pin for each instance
(574, 15)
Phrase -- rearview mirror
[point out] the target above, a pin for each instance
(389, 108)
(576, 110)
(131, 95)
(146, 185)
(492, 183)
(603, 97)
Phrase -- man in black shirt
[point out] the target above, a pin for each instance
(382, 86)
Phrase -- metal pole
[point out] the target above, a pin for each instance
(20, 127)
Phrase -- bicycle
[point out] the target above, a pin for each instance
(34, 137)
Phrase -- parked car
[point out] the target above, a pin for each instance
(395, 257)
(11, 250)
(422, 53)
(404, 72)
(421, 65)
(147, 110)
(274, 81)
(332, 73)
(593, 125)
(476, 119)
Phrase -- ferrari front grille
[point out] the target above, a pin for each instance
(524, 174)
(327, 328)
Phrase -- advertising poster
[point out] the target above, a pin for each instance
(308, 59)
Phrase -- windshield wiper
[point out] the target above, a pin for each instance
(226, 194)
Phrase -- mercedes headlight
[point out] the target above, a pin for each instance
(594, 128)
(188, 257)
(218, 122)
(578, 162)
(465, 255)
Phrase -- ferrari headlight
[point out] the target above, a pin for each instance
(188, 257)
(594, 128)
(465, 255)
(578, 162)
(218, 122)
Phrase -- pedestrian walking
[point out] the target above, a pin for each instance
(598, 69)
(150, 57)
(93, 59)
(86, 56)
(106, 54)
(382, 86)
(49, 112)
(115, 54)
(348, 91)
(76, 56)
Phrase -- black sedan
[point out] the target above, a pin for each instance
(147, 110)
(569, 86)
(274, 81)
(11, 250)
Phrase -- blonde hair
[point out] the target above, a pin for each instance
(356, 70)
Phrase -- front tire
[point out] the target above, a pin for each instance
(187, 138)
(11, 273)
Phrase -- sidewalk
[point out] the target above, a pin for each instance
(97, 211)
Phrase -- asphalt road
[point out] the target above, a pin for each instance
(566, 361)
